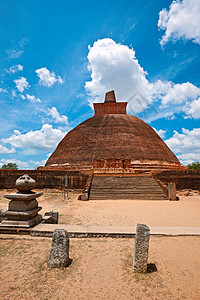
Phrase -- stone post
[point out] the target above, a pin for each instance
(172, 191)
(141, 248)
(59, 254)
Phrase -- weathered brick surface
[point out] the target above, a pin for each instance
(110, 108)
(118, 136)
(44, 178)
(111, 135)
(111, 163)
(186, 179)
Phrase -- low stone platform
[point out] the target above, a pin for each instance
(81, 231)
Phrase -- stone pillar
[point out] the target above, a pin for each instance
(141, 248)
(59, 254)
(172, 191)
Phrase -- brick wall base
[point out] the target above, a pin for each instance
(186, 179)
(44, 178)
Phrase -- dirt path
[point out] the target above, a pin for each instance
(101, 269)
(182, 213)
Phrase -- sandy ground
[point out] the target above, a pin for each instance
(182, 213)
(100, 269)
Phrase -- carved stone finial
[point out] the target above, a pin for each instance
(25, 183)
(110, 97)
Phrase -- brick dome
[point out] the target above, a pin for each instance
(111, 133)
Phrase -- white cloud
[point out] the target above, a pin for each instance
(180, 93)
(181, 21)
(189, 158)
(169, 116)
(13, 53)
(20, 164)
(21, 84)
(22, 97)
(186, 145)
(38, 163)
(13, 94)
(17, 49)
(15, 69)
(114, 66)
(170, 93)
(160, 132)
(48, 78)
(3, 90)
(45, 139)
(6, 150)
(56, 116)
(32, 98)
(194, 109)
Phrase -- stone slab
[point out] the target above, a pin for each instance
(111, 231)
(49, 220)
(23, 196)
(21, 215)
(21, 224)
(22, 205)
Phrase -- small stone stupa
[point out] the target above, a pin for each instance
(23, 207)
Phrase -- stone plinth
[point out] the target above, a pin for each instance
(23, 207)
(22, 210)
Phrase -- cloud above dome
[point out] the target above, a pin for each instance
(181, 21)
(115, 66)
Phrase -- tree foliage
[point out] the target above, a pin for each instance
(12, 166)
(194, 166)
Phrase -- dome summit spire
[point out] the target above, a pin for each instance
(110, 105)
(110, 97)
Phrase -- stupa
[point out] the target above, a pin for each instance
(112, 140)
(23, 207)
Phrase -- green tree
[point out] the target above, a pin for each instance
(10, 166)
(194, 166)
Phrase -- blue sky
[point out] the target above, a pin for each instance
(58, 57)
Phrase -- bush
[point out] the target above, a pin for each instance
(10, 166)
(194, 166)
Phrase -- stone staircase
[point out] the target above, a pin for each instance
(125, 187)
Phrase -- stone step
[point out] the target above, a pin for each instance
(126, 194)
(120, 183)
(128, 197)
(125, 191)
(125, 187)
